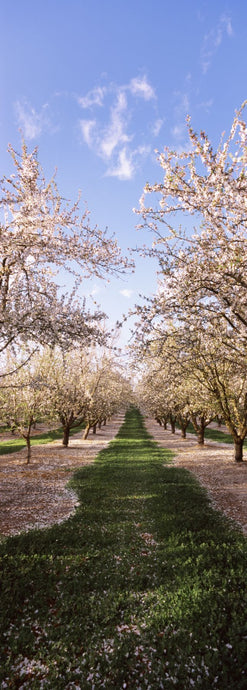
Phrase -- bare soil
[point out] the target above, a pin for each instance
(36, 495)
(214, 466)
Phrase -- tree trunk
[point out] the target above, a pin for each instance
(200, 435)
(28, 442)
(172, 422)
(27, 438)
(183, 426)
(199, 427)
(66, 430)
(238, 449)
(94, 428)
(86, 432)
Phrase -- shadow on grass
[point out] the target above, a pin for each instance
(144, 587)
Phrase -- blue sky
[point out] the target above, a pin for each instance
(98, 85)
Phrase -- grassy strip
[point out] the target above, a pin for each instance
(214, 434)
(15, 444)
(143, 588)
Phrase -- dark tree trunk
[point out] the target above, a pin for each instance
(94, 428)
(238, 449)
(27, 438)
(66, 431)
(200, 435)
(183, 423)
(172, 422)
(199, 427)
(28, 442)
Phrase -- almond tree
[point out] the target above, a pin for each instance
(152, 398)
(212, 376)
(206, 270)
(203, 276)
(40, 235)
(223, 374)
(170, 391)
(24, 397)
(108, 391)
(68, 388)
(85, 386)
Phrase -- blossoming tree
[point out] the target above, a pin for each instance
(203, 273)
(207, 269)
(40, 235)
(25, 397)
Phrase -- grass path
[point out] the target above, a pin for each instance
(143, 588)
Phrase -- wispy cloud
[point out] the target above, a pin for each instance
(213, 39)
(128, 162)
(181, 110)
(116, 141)
(87, 127)
(139, 86)
(115, 133)
(157, 126)
(31, 122)
(93, 97)
(127, 293)
(124, 168)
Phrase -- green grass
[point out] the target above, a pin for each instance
(144, 587)
(12, 445)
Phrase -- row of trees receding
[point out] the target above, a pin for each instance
(56, 363)
(82, 386)
(190, 337)
(192, 334)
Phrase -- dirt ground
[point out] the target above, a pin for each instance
(214, 466)
(35, 495)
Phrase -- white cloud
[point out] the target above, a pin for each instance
(181, 110)
(87, 127)
(226, 21)
(178, 131)
(115, 133)
(111, 136)
(213, 39)
(142, 151)
(128, 162)
(30, 121)
(139, 86)
(96, 290)
(158, 124)
(93, 97)
(127, 293)
(124, 169)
